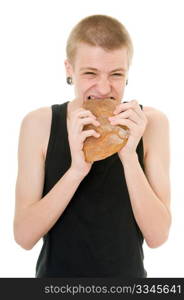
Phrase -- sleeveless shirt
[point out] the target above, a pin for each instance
(96, 235)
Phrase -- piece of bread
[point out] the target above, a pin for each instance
(112, 137)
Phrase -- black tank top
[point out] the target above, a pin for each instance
(96, 235)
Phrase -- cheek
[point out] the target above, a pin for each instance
(116, 80)
(118, 86)
(81, 87)
(85, 84)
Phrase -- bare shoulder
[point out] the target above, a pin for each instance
(154, 114)
(157, 121)
(39, 116)
(36, 124)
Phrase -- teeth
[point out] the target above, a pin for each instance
(91, 97)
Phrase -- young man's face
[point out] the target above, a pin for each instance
(98, 73)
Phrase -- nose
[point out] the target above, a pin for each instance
(103, 86)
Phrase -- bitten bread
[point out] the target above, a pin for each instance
(112, 137)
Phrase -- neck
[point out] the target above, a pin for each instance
(72, 105)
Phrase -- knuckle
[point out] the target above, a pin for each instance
(76, 111)
(134, 104)
(134, 101)
(88, 111)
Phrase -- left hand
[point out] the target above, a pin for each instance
(130, 115)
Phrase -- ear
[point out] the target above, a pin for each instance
(68, 68)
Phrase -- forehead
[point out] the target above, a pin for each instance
(97, 57)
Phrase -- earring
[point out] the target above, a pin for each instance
(127, 82)
(69, 80)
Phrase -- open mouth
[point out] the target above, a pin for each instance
(93, 97)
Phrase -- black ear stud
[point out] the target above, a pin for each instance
(69, 80)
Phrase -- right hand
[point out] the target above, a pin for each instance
(76, 135)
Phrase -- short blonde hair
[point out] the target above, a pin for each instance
(99, 30)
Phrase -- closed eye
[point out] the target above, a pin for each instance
(89, 73)
(117, 74)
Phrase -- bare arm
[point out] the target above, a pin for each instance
(150, 194)
(34, 215)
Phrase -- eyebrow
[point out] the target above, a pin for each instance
(94, 69)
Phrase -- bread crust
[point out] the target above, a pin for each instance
(112, 137)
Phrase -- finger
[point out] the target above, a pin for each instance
(133, 105)
(82, 113)
(87, 133)
(130, 124)
(88, 120)
(129, 114)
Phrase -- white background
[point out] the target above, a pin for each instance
(33, 36)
